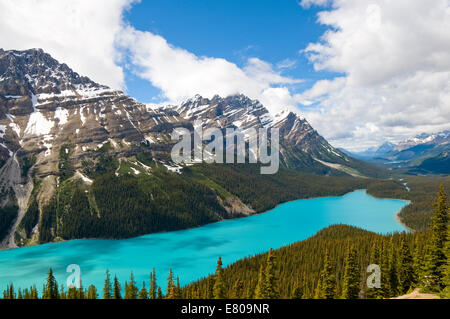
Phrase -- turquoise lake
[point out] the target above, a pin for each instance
(193, 253)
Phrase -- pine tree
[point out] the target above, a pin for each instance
(446, 291)
(435, 260)
(131, 290)
(219, 285)
(327, 288)
(19, 294)
(72, 293)
(80, 292)
(107, 289)
(116, 289)
(153, 286)
(143, 294)
(170, 292)
(417, 265)
(34, 294)
(51, 287)
(62, 293)
(270, 280)
(351, 280)
(259, 290)
(385, 283)
(159, 294)
(92, 292)
(178, 289)
(392, 272)
(405, 268)
(375, 258)
(238, 288)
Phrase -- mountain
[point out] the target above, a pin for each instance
(373, 152)
(422, 154)
(301, 147)
(424, 139)
(79, 159)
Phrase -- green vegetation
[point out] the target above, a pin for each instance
(26, 162)
(8, 215)
(138, 197)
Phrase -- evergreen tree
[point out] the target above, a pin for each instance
(405, 268)
(177, 289)
(62, 293)
(131, 290)
(446, 291)
(170, 292)
(219, 285)
(159, 294)
(153, 286)
(81, 292)
(417, 265)
(259, 290)
(351, 280)
(51, 287)
(72, 293)
(238, 288)
(327, 288)
(92, 292)
(385, 284)
(375, 258)
(34, 294)
(435, 260)
(392, 272)
(107, 289)
(270, 280)
(116, 289)
(143, 294)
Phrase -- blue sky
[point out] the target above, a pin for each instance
(375, 71)
(272, 30)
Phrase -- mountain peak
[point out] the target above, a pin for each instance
(34, 71)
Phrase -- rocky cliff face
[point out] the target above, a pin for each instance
(301, 146)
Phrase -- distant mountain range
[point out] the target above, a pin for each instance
(422, 154)
(69, 148)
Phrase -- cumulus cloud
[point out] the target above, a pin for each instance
(80, 33)
(392, 57)
(395, 57)
(180, 74)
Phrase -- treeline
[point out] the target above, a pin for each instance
(422, 192)
(130, 205)
(112, 289)
(126, 206)
(332, 264)
(264, 192)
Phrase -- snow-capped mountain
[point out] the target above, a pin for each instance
(430, 139)
(60, 131)
(423, 154)
(301, 146)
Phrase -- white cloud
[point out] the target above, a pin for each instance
(80, 33)
(395, 57)
(309, 3)
(181, 74)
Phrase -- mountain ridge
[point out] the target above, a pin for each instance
(61, 134)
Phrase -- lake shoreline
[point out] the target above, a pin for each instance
(396, 217)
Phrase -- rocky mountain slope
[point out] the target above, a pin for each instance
(422, 154)
(69, 148)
